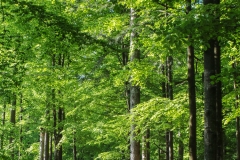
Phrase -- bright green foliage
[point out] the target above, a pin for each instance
(90, 37)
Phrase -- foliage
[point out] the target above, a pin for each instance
(75, 50)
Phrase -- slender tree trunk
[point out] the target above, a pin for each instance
(21, 128)
(167, 95)
(167, 145)
(146, 146)
(171, 145)
(60, 128)
(46, 146)
(13, 121)
(164, 94)
(235, 86)
(125, 57)
(46, 140)
(3, 124)
(217, 56)
(58, 116)
(169, 76)
(163, 83)
(51, 147)
(192, 105)
(54, 115)
(125, 60)
(219, 117)
(134, 91)
(191, 96)
(41, 145)
(210, 126)
(169, 134)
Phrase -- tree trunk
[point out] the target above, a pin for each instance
(180, 150)
(125, 60)
(169, 77)
(191, 96)
(167, 145)
(164, 94)
(210, 126)
(51, 148)
(13, 121)
(21, 128)
(134, 91)
(41, 145)
(127, 88)
(58, 115)
(169, 64)
(146, 146)
(60, 128)
(171, 145)
(3, 124)
(235, 86)
(212, 99)
(46, 137)
(46, 146)
(46, 140)
(192, 105)
(217, 53)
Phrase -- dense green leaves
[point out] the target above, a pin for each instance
(69, 55)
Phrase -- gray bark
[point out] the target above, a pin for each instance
(41, 145)
(134, 91)
(146, 146)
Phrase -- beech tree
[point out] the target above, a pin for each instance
(73, 73)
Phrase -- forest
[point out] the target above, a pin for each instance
(119, 79)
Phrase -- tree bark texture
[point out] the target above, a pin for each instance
(146, 146)
(46, 146)
(213, 96)
(210, 126)
(191, 96)
(219, 117)
(192, 105)
(41, 145)
(134, 90)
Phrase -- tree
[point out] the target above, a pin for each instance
(134, 89)
(192, 95)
